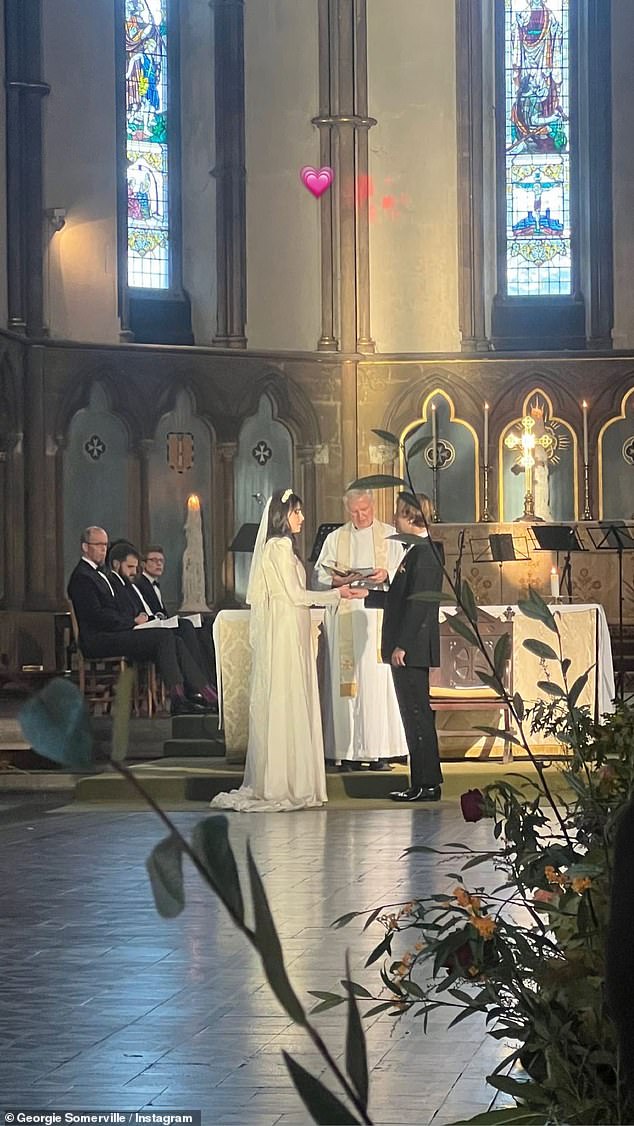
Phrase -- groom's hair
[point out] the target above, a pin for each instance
(279, 512)
(411, 507)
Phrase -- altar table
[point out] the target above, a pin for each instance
(585, 640)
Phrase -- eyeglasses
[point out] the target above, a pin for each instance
(96, 543)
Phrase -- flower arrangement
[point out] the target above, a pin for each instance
(528, 953)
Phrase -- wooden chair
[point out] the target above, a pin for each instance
(455, 685)
(98, 677)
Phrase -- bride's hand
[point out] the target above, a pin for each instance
(353, 592)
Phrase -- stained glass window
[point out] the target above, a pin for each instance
(537, 147)
(146, 78)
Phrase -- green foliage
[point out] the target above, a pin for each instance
(528, 952)
(165, 869)
(57, 725)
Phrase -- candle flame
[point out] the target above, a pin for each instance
(554, 571)
(584, 405)
(433, 406)
(486, 406)
(193, 502)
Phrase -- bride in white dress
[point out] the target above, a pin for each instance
(285, 767)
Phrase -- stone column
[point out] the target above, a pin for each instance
(307, 489)
(224, 569)
(25, 220)
(469, 94)
(230, 173)
(40, 531)
(146, 445)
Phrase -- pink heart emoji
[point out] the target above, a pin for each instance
(317, 180)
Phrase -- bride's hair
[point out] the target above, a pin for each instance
(283, 502)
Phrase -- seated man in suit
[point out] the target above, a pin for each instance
(108, 630)
(148, 583)
(123, 560)
(410, 643)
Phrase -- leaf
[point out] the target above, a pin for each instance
(501, 654)
(490, 681)
(321, 1104)
(356, 1054)
(324, 1005)
(57, 725)
(519, 1088)
(518, 704)
(121, 711)
(428, 596)
(165, 869)
(551, 689)
(417, 446)
(535, 607)
(577, 689)
(458, 626)
(381, 1008)
(372, 917)
(378, 481)
(497, 733)
(384, 947)
(210, 841)
(540, 649)
(268, 945)
(386, 436)
(354, 987)
(343, 920)
(468, 602)
(508, 1116)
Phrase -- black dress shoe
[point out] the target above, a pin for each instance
(347, 766)
(209, 707)
(380, 764)
(421, 793)
(186, 707)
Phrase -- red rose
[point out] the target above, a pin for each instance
(472, 805)
(461, 958)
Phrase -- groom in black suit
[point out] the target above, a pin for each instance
(410, 643)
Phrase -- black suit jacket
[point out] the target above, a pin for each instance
(413, 626)
(125, 596)
(96, 608)
(149, 593)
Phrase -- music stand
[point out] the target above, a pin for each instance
(245, 537)
(616, 536)
(559, 538)
(500, 548)
(322, 531)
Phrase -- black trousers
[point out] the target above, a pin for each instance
(412, 692)
(173, 659)
(200, 646)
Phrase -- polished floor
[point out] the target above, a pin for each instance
(107, 1006)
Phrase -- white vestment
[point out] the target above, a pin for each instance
(362, 723)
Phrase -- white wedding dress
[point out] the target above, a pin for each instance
(285, 768)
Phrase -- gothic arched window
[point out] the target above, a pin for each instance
(147, 78)
(153, 307)
(534, 144)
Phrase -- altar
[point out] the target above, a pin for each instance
(585, 640)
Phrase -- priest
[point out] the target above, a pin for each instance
(362, 722)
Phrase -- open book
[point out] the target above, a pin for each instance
(343, 572)
(172, 623)
(159, 623)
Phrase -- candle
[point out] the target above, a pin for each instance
(434, 436)
(554, 582)
(194, 599)
(584, 407)
(486, 434)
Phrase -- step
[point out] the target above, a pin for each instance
(195, 727)
(193, 748)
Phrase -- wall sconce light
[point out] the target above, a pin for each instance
(56, 217)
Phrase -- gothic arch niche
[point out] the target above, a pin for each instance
(95, 473)
(263, 463)
(556, 483)
(616, 463)
(457, 451)
(180, 463)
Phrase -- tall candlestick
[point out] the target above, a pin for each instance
(434, 436)
(194, 560)
(554, 582)
(485, 442)
(584, 407)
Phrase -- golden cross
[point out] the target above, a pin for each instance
(527, 442)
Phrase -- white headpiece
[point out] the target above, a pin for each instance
(256, 587)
